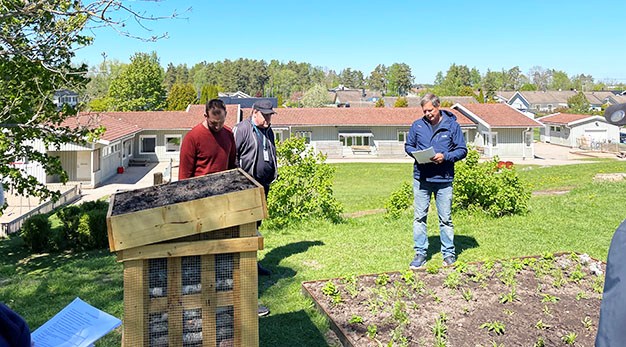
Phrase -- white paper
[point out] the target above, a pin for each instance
(77, 325)
(424, 155)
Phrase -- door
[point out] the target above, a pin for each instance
(83, 166)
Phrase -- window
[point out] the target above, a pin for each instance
(279, 134)
(306, 135)
(465, 135)
(147, 144)
(96, 160)
(493, 139)
(356, 140)
(172, 143)
(403, 135)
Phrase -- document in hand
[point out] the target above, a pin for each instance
(424, 155)
(77, 325)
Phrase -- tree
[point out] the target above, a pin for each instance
(578, 103)
(139, 86)
(456, 77)
(181, 96)
(560, 80)
(378, 78)
(399, 79)
(401, 102)
(540, 77)
(316, 96)
(528, 87)
(208, 92)
(37, 41)
(352, 78)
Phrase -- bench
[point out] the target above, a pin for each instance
(361, 149)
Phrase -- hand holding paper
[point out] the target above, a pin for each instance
(423, 156)
(77, 325)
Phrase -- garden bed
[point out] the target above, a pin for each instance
(548, 300)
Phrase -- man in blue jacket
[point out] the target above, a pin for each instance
(437, 129)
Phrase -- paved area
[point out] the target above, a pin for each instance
(134, 177)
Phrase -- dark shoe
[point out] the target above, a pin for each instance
(263, 271)
(418, 262)
(263, 311)
(449, 260)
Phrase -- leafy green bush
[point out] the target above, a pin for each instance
(93, 227)
(304, 189)
(485, 186)
(36, 233)
(399, 200)
(70, 216)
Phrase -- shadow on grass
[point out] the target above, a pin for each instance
(273, 258)
(461, 243)
(272, 330)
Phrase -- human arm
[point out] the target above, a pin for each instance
(187, 161)
(410, 144)
(458, 148)
(232, 155)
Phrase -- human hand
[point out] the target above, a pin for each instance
(438, 158)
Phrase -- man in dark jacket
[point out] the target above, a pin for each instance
(437, 129)
(611, 330)
(256, 154)
(256, 148)
(14, 331)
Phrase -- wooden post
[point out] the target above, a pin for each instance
(158, 178)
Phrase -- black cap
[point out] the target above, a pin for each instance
(264, 106)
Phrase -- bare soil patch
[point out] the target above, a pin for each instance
(181, 191)
(549, 300)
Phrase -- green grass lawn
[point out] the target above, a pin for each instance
(582, 220)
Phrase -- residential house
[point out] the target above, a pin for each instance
(615, 99)
(356, 97)
(550, 100)
(414, 101)
(500, 130)
(503, 96)
(243, 99)
(577, 130)
(65, 96)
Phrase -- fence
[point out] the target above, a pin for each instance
(14, 225)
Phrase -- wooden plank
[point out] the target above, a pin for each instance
(109, 230)
(186, 218)
(209, 302)
(135, 306)
(163, 250)
(175, 313)
(260, 239)
(248, 299)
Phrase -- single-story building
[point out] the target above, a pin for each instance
(577, 130)
(500, 130)
(156, 136)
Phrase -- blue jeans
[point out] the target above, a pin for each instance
(422, 191)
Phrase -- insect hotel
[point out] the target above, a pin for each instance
(189, 250)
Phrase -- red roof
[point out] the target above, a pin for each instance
(340, 116)
(501, 115)
(119, 124)
(114, 128)
(563, 118)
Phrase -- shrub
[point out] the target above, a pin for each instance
(484, 186)
(70, 216)
(36, 233)
(304, 189)
(399, 200)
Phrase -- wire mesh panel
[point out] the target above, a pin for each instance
(189, 301)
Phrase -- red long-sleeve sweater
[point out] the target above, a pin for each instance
(203, 152)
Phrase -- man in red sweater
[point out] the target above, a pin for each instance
(210, 146)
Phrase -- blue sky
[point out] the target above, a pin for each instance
(573, 36)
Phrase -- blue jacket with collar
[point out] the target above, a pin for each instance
(446, 139)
